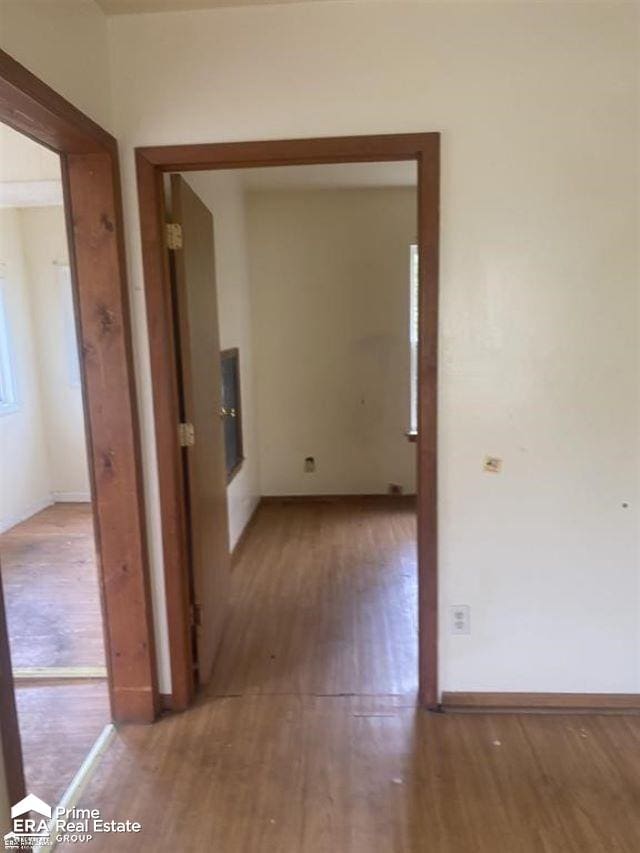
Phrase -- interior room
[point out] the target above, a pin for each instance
(316, 283)
(366, 533)
(47, 548)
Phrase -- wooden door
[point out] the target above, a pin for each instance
(196, 307)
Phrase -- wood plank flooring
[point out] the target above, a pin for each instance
(58, 726)
(50, 583)
(307, 739)
(324, 602)
(49, 576)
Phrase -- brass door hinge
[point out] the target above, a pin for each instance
(174, 235)
(186, 435)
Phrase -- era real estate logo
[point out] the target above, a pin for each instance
(36, 825)
(28, 832)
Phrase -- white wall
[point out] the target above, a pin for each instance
(42, 444)
(222, 192)
(65, 44)
(24, 461)
(45, 245)
(330, 289)
(537, 105)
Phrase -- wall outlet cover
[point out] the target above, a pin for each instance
(460, 615)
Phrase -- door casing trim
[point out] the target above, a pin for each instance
(93, 208)
(151, 164)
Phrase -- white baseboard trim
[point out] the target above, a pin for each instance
(71, 497)
(72, 795)
(58, 673)
(10, 521)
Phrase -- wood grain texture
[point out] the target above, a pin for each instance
(94, 225)
(323, 602)
(93, 209)
(427, 438)
(289, 152)
(51, 590)
(166, 407)
(294, 774)
(274, 757)
(563, 703)
(241, 544)
(58, 725)
(151, 163)
(382, 499)
(197, 309)
(33, 108)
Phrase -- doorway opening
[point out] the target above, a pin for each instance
(342, 480)
(47, 544)
(93, 270)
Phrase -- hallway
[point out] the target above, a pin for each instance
(307, 739)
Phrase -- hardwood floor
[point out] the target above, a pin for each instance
(323, 602)
(48, 569)
(275, 758)
(58, 726)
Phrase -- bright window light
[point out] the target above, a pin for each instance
(413, 337)
(8, 390)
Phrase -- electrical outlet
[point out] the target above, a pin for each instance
(460, 619)
(309, 465)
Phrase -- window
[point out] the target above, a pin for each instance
(231, 411)
(65, 288)
(413, 338)
(8, 395)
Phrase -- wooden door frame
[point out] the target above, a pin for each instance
(93, 208)
(151, 164)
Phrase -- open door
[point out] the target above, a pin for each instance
(196, 321)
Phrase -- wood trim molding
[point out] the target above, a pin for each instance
(31, 107)
(167, 416)
(167, 704)
(93, 207)
(384, 498)
(541, 703)
(9, 731)
(427, 443)
(151, 163)
(96, 253)
(291, 152)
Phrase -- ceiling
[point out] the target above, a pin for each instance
(125, 7)
(331, 176)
